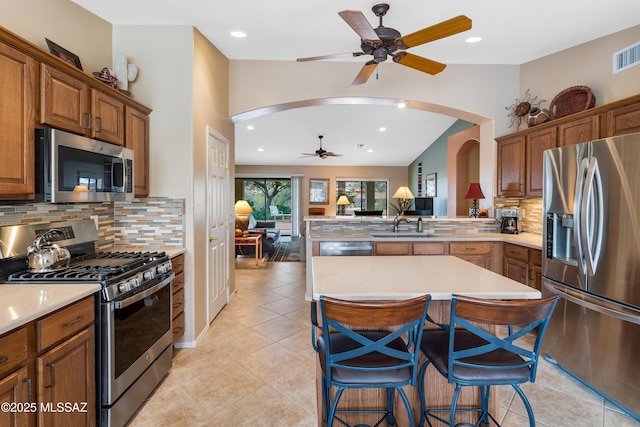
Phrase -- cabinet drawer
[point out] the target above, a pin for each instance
(178, 327)
(177, 283)
(64, 323)
(393, 248)
(178, 302)
(471, 248)
(177, 264)
(516, 251)
(535, 257)
(431, 248)
(14, 350)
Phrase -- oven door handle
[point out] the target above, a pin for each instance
(137, 297)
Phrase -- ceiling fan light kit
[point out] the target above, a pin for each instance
(321, 152)
(382, 42)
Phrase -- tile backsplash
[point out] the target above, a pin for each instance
(155, 223)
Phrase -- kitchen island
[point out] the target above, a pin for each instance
(401, 277)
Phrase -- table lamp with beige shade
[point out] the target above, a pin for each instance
(405, 195)
(341, 203)
(242, 210)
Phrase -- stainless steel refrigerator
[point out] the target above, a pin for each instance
(591, 258)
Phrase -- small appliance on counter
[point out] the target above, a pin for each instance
(510, 220)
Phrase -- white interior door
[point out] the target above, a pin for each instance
(217, 206)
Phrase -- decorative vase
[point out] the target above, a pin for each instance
(537, 116)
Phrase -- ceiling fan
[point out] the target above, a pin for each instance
(320, 152)
(383, 41)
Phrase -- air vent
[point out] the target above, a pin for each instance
(626, 58)
(361, 146)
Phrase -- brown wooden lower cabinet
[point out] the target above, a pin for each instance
(49, 367)
(177, 288)
(523, 265)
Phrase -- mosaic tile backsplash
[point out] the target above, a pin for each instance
(156, 223)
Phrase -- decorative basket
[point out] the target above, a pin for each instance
(572, 100)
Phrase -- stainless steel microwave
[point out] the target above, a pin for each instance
(75, 169)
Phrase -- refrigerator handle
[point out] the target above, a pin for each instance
(578, 213)
(594, 303)
(592, 225)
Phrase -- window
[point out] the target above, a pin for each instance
(363, 195)
(261, 193)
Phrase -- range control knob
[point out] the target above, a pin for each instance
(161, 269)
(148, 275)
(135, 282)
(124, 287)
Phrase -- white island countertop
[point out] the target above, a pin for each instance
(402, 277)
(20, 304)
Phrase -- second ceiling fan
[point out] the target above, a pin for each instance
(383, 42)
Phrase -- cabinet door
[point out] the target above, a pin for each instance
(385, 248)
(66, 373)
(17, 124)
(479, 260)
(535, 269)
(64, 101)
(137, 125)
(429, 248)
(108, 118)
(15, 388)
(516, 270)
(623, 120)
(578, 131)
(511, 167)
(537, 142)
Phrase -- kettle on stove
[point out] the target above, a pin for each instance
(44, 255)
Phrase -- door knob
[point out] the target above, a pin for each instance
(211, 239)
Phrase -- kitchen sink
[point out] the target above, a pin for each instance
(400, 234)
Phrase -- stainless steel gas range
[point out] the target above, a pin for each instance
(133, 311)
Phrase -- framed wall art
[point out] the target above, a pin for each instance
(431, 184)
(318, 191)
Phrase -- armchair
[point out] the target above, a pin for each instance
(275, 213)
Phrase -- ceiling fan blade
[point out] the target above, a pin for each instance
(364, 74)
(332, 154)
(435, 32)
(337, 55)
(419, 63)
(360, 25)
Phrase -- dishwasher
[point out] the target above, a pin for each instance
(346, 248)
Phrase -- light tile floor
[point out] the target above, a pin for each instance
(255, 367)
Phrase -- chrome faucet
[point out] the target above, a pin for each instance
(396, 222)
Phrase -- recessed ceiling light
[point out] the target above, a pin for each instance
(260, 149)
(402, 104)
(474, 39)
(250, 127)
(370, 150)
(238, 34)
(382, 129)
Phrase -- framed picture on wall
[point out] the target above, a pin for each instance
(64, 54)
(431, 184)
(318, 191)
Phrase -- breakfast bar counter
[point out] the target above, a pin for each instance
(402, 277)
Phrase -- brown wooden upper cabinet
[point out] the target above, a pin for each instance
(17, 115)
(623, 120)
(580, 130)
(64, 101)
(511, 166)
(107, 114)
(69, 104)
(137, 125)
(520, 162)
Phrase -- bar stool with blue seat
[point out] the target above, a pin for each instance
(368, 344)
(468, 355)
